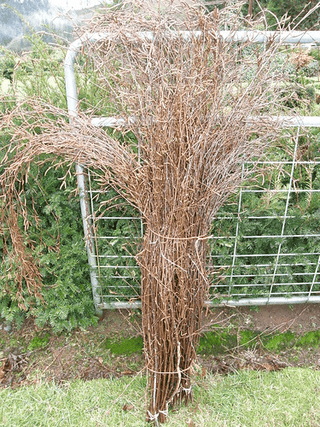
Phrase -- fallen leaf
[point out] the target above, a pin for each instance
(100, 360)
(269, 367)
(127, 407)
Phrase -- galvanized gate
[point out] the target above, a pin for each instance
(265, 243)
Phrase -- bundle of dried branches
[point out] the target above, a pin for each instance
(190, 97)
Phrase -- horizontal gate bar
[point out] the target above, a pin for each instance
(285, 121)
(226, 303)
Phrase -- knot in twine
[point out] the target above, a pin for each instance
(187, 390)
(164, 236)
(153, 417)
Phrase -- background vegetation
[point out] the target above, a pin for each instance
(293, 10)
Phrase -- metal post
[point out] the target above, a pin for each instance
(72, 101)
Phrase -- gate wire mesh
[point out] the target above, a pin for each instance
(265, 247)
(265, 243)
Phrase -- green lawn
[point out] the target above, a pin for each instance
(290, 397)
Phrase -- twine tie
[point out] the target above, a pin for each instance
(187, 390)
(153, 417)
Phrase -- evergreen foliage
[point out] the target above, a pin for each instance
(57, 237)
(293, 10)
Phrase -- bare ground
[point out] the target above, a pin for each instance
(29, 355)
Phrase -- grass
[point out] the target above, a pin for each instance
(290, 397)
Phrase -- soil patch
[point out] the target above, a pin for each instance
(265, 338)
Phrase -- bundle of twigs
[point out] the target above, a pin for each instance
(189, 97)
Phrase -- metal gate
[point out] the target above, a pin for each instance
(265, 244)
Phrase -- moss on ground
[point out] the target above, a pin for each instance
(39, 341)
(215, 343)
(125, 346)
(221, 342)
(311, 338)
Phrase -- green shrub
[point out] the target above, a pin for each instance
(293, 9)
(55, 233)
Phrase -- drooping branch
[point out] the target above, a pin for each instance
(58, 142)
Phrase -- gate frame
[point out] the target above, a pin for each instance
(284, 37)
